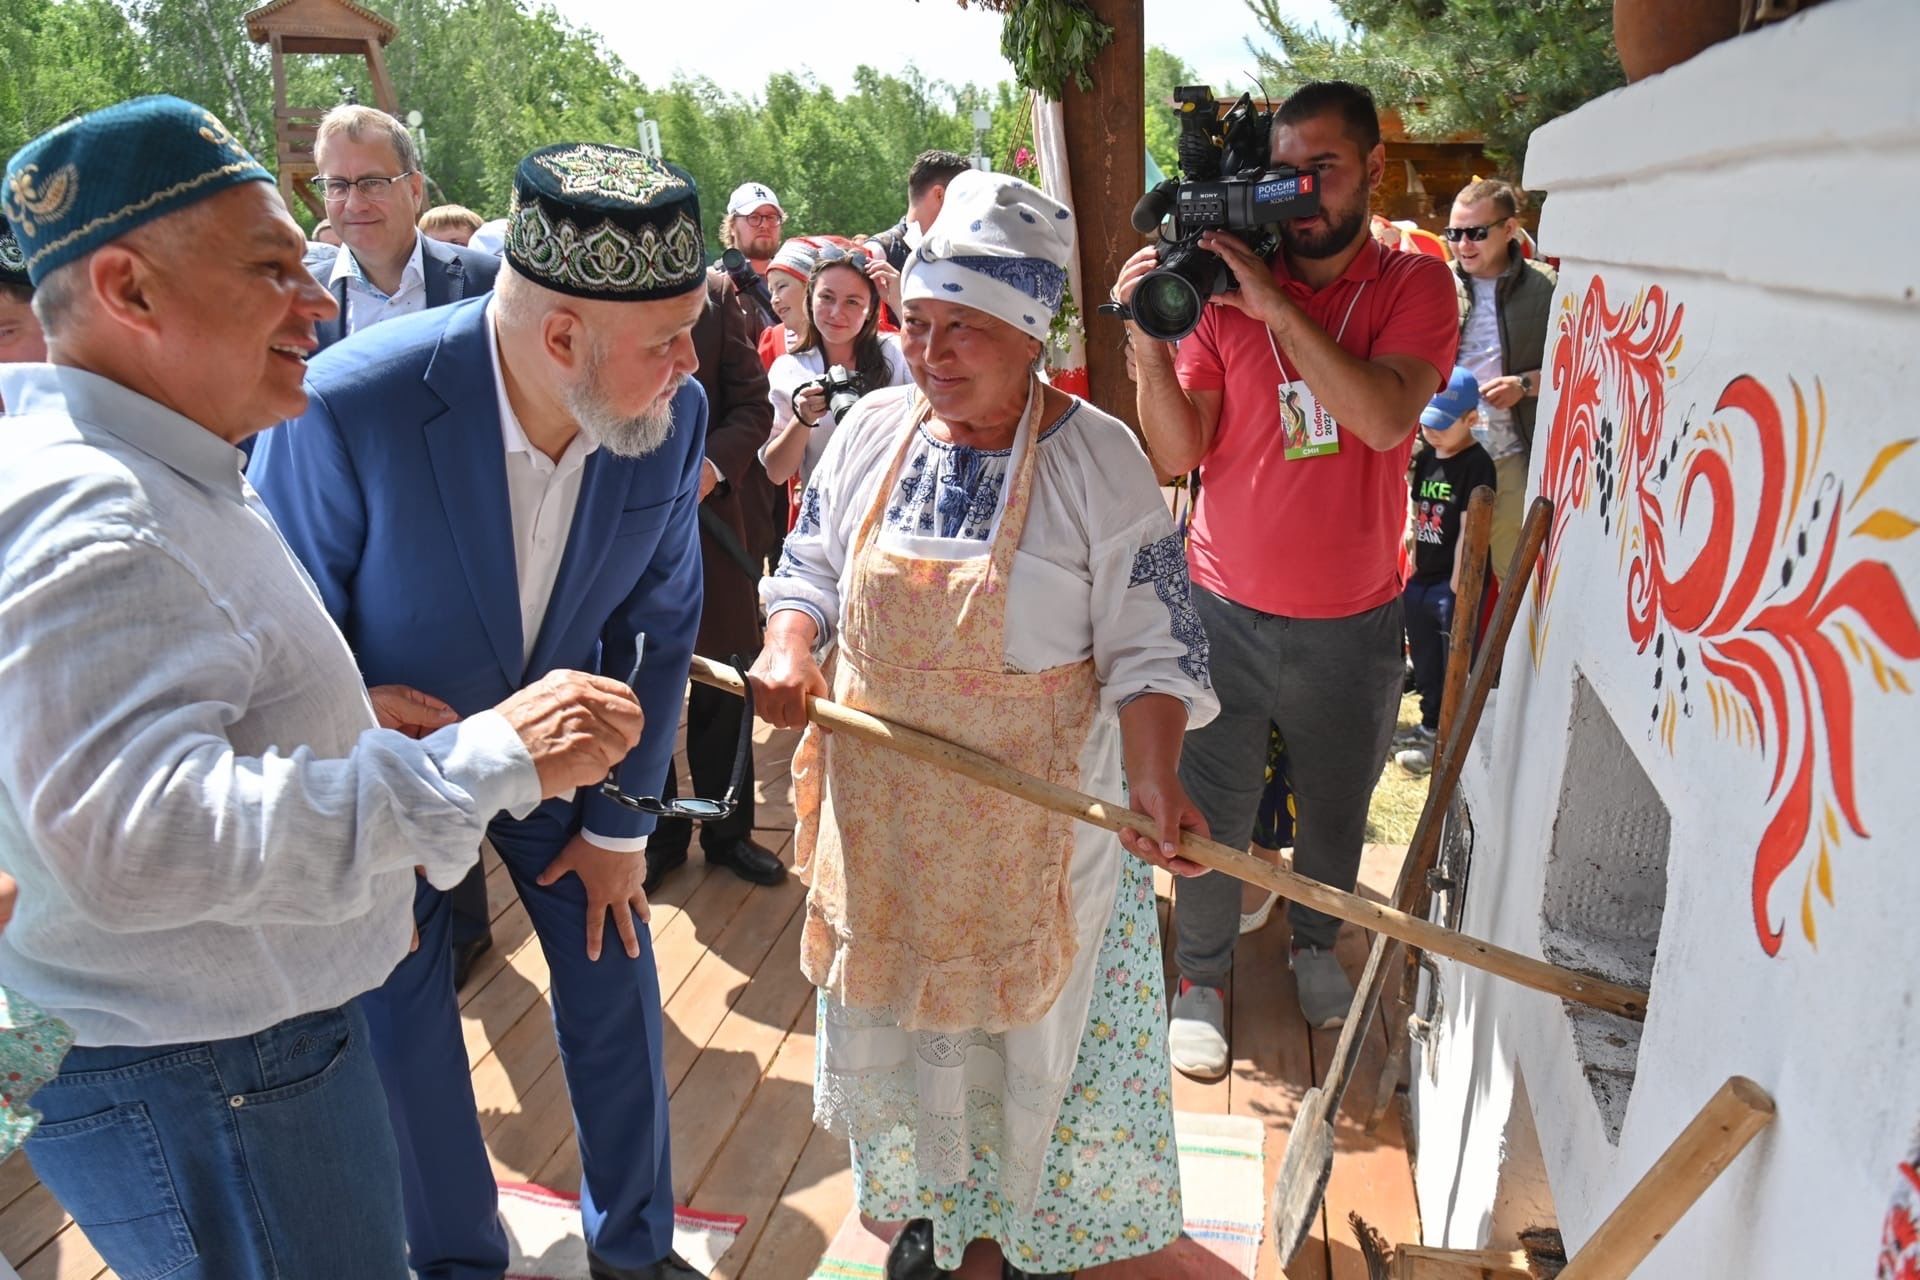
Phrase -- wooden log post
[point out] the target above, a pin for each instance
(1106, 160)
(1721, 1131)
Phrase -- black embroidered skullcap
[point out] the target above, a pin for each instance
(13, 259)
(599, 221)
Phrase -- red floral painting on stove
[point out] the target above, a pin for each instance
(1900, 1237)
(1783, 610)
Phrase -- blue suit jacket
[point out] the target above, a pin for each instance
(450, 272)
(392, 491)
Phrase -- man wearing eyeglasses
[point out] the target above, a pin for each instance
(371, 182)
(373, 189)
(1503, 337)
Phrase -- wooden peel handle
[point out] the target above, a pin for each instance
(1682, 1174)
(1511, 965)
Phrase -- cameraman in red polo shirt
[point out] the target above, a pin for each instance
(1295, 544)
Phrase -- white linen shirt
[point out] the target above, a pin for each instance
(366, 304)
(209, 832)
(542, 496)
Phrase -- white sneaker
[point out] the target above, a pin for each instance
(1324, 989)
(1197, 1035)
(1415, 760)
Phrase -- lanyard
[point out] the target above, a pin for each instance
(1337, 338)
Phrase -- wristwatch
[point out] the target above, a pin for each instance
(1526, 384)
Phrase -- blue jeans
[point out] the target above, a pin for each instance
(1429, 607)
(264, 1157)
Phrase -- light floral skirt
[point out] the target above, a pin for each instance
(1111, 1187)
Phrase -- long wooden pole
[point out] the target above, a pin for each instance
(1511, 965)
(1682, 1174)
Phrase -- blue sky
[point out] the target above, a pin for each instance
(738, 44)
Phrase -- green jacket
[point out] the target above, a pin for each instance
(1524, 295)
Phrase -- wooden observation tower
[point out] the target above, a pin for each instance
(316, 27)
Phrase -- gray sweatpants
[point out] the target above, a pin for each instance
(1333, 687)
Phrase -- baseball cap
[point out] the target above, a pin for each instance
(749, 196)
(1461, 395)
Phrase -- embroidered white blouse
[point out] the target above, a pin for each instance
(1099, 572)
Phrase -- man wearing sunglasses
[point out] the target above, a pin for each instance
(1506, 300)
(372, 186)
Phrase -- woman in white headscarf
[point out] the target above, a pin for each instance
(990, 560)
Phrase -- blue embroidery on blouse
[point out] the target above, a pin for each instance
(1164, 564)
(952, 491)
(809, 521)
(1043, 281)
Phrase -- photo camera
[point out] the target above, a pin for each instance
(842, 388)
(1226, 184)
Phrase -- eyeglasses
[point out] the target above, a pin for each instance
(762, 219)
(373, 187)
(1455, 235)
(693, 808)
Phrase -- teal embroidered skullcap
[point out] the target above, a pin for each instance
(13, 259)
(95, 178)
(599, 221)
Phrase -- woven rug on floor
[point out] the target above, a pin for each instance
(1223, 1189)
(544, 1240)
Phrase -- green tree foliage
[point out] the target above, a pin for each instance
(99, 61)
(838, 162)
(1498, 68)
(494, 79)
(1166, 72)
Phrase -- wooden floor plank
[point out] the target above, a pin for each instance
(1271, 1065)
(712, 1103)
(811, 1209)
(740, 1060)
(757, 1160)
(67, 1256)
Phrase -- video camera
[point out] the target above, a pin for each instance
(1226, 185)
(748, 281)
(842, 388)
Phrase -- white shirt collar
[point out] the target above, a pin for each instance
(513, 436)
(347, 267)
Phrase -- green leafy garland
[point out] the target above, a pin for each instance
(1049, 40)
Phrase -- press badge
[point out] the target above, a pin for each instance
(1309, 430)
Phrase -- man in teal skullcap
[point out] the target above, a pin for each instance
(215, 844)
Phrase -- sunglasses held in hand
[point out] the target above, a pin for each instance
(692, 808)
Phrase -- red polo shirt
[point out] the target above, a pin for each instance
(1314, 537)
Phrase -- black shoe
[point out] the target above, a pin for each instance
(464, 956)
(671, 1267)
(910, 1257)
(660, 864)
(748, 861)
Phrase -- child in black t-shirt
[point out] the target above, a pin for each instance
(1443, 475)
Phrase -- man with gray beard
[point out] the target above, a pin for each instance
(483, 493)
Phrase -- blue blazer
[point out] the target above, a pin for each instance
(451, 272)
(392, 491)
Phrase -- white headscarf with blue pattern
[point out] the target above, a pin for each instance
(1000, 246)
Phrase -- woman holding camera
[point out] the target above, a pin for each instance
(992, 562)
(844, 291)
